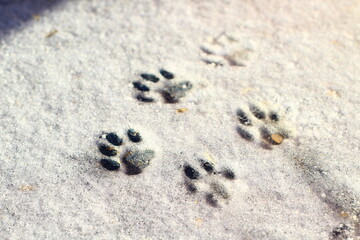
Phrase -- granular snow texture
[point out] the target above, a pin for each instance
(66, 77)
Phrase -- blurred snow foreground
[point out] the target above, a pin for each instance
(262, 142)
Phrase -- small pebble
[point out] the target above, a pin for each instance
(114, 139)
(182, 110)
(107, 150)
(141, 87)
(166, 74)
(143, 98)
(277, 138)
(110, 164)
(270, 138)
(134, 136)
(51, 33)
(150, 77)
(191, 172)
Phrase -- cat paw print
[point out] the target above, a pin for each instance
(131, 156)
(267, 127)
(207, 180)
(225, 50)
(170, 89)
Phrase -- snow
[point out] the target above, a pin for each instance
(60, 93)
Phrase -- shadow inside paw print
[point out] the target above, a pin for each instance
(171, 91)
(211, 180)
(134, 159)
(270, 125)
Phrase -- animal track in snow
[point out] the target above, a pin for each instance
(171, 90)
(267, 127)
(134, 158)
(225, 50)
(208, 180)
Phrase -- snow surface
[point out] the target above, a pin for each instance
(61, 92)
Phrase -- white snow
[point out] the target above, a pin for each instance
(58, 94)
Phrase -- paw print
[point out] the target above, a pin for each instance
(210, 182)
(171, 91)
(272, 127)
(134, 159)
(223, 50)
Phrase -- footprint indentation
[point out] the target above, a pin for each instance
(134, 159)
(216, 192)
(271, 126)
(171, 91)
